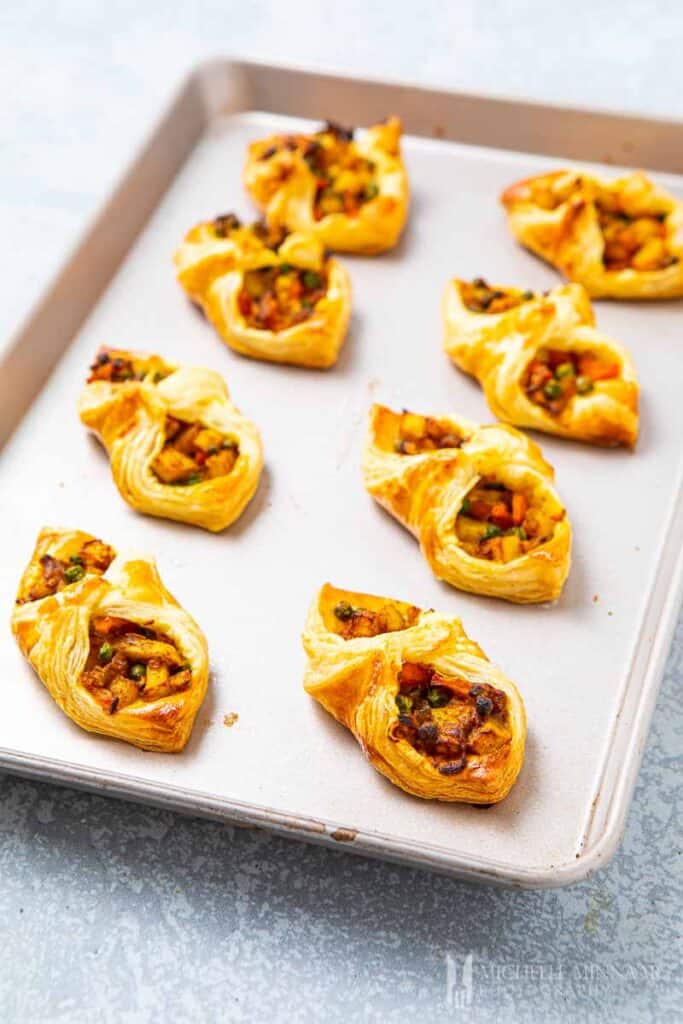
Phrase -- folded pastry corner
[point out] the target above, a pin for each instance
(178, 446)
(541, 361)
(351, 192)
(112, 646)
(621, 238)
(270, 294)
(479, 499)
(429, 710)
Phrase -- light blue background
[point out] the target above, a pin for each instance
(114, 912)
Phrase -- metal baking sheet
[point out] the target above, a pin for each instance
(588, 668)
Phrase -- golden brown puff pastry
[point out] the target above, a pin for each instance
(428, 708)
(621, 239)
(479, 499)
(352, 193)
(541, 361)
(113, 647)
(270, 294)
(178, 447)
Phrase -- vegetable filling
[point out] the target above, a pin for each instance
(118, 367)
(193, 453)
(356, 621)
(500, 524)
(637, 243)
(128, 662)
(447, 718)
(49, 575)
(278, 297)
(554, 377)
(417, 434)
(630, 242)
(344, 179)
(479, 297)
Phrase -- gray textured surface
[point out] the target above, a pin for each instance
(115, 912)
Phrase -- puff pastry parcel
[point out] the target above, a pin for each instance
(621, 239)
(479, 500)
(351, 193)
(178, 447)
(269, 293)
(541, 361)
(428, 708)
(115, 650)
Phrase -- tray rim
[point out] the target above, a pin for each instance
(192, 88)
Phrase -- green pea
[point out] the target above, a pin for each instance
(76, 560)
(286, 268)
(194, 478)
(106, 653)
(74, 573)
(344, 611)
(404, 703)
(564, 370)
(527, 296)
(438, 698)
(466, 507)
(552, 390)
(584, 385)
(311, 280)
(492, 531)
(137, 671)
(371, 190)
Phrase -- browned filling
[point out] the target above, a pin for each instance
(354, 621)
(416, 434)
(447, 718)
(49, 574)
(344, 179)
(118, 366)
(271, 236)
(637, 243)
(275, 298)
(500, 524)
(479, 297)
(555, 376)
(193, 453)
(127, 662)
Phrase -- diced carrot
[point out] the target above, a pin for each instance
(109, 624)
(519, 508)
(414, 675)
(500, 515)
(597, 369)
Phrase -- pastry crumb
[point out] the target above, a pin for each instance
(610, 613)
(230, 719)
(596, 598)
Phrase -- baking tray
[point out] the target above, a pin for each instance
(588, 668)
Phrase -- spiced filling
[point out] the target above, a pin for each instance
(344, 179)
(447, 718)
(555, 376)
(500, 524)
(479, 297)
(193, 453)
(118, 367)
(354, 621)
(275, 298)
(49, 575)
(128, 662)
(636, 242)
(417, 434)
